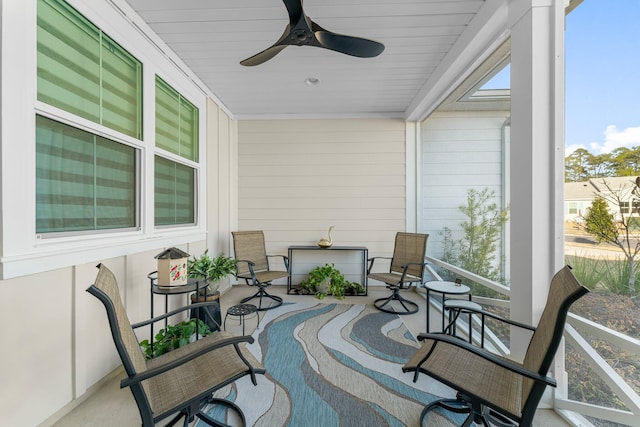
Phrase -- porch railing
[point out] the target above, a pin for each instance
(568, 408)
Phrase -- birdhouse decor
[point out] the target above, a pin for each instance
(172, 267)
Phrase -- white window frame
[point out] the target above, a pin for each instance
(22, 252)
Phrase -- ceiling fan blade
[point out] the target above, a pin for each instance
(269, 52)
(294, 7)
(263, 56)
(354, 46)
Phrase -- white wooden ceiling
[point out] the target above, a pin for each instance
(213, 36)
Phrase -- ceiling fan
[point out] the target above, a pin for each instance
(302, 31)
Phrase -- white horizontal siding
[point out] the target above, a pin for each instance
(460, 151)
(298, 177)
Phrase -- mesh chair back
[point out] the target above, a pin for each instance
(564, 291)
(249, 245)
(409, 247)
(123, 336)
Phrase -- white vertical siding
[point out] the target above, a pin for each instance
(59, 334)
(460, 151)
(298, 177)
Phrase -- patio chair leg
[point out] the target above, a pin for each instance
(409, 307)
(460, 405)
(216, 401)
(262, 293)
(453, 405)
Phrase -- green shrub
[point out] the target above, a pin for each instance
(605, 273)
(589, 271)
(477, 249)
(175, 336)
(328, 280)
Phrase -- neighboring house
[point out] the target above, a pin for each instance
(578, 196)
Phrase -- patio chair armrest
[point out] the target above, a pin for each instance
(250, 264)
(406, 266)
(145, 375)
(285, 260)
(486, 355)
(172, 312)
(485, 313)
(372, 260)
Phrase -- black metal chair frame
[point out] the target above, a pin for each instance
(253, 278)
(401, 281)
(193, 407)
(262, 286)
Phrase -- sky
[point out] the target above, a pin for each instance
(602, 81)
(602, 103)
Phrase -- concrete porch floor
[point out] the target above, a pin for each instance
(108, 405)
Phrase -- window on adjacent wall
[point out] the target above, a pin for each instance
(175, 193)
(84, 182)
(176, 122)
(84, 72)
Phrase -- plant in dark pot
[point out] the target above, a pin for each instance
(213, 270)
(328, 280)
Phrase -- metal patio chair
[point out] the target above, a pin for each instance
(253, 266)
(491, 388)
(407, 268)
(179, 382)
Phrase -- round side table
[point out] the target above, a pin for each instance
(241, 311)
(444, 288)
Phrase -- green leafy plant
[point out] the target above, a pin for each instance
(212, 269)
(328, 280)
(174, 336)
(477, 250)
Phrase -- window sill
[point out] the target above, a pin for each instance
(52, 254)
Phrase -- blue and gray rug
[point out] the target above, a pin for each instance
(332, 365)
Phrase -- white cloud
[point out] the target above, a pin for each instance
(569, 149)
(614, 138)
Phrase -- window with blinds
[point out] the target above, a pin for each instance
(84, 182)
(176, 122)
(83, 71)
(175, 193)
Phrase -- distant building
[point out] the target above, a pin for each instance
(578, 196)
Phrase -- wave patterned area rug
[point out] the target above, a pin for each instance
(331, 365)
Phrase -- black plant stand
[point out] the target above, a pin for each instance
(210, 314)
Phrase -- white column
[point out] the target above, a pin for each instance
(537, 156)
(413, 182)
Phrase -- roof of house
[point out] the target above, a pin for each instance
(613, 183)
(579, 190)
(588, 190)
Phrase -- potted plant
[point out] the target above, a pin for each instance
(328, 280)
(212, 269)
(175, 336)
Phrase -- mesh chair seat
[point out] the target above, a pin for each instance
(198, 377)
(266, 276)
(394, 279)
(495, 384)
